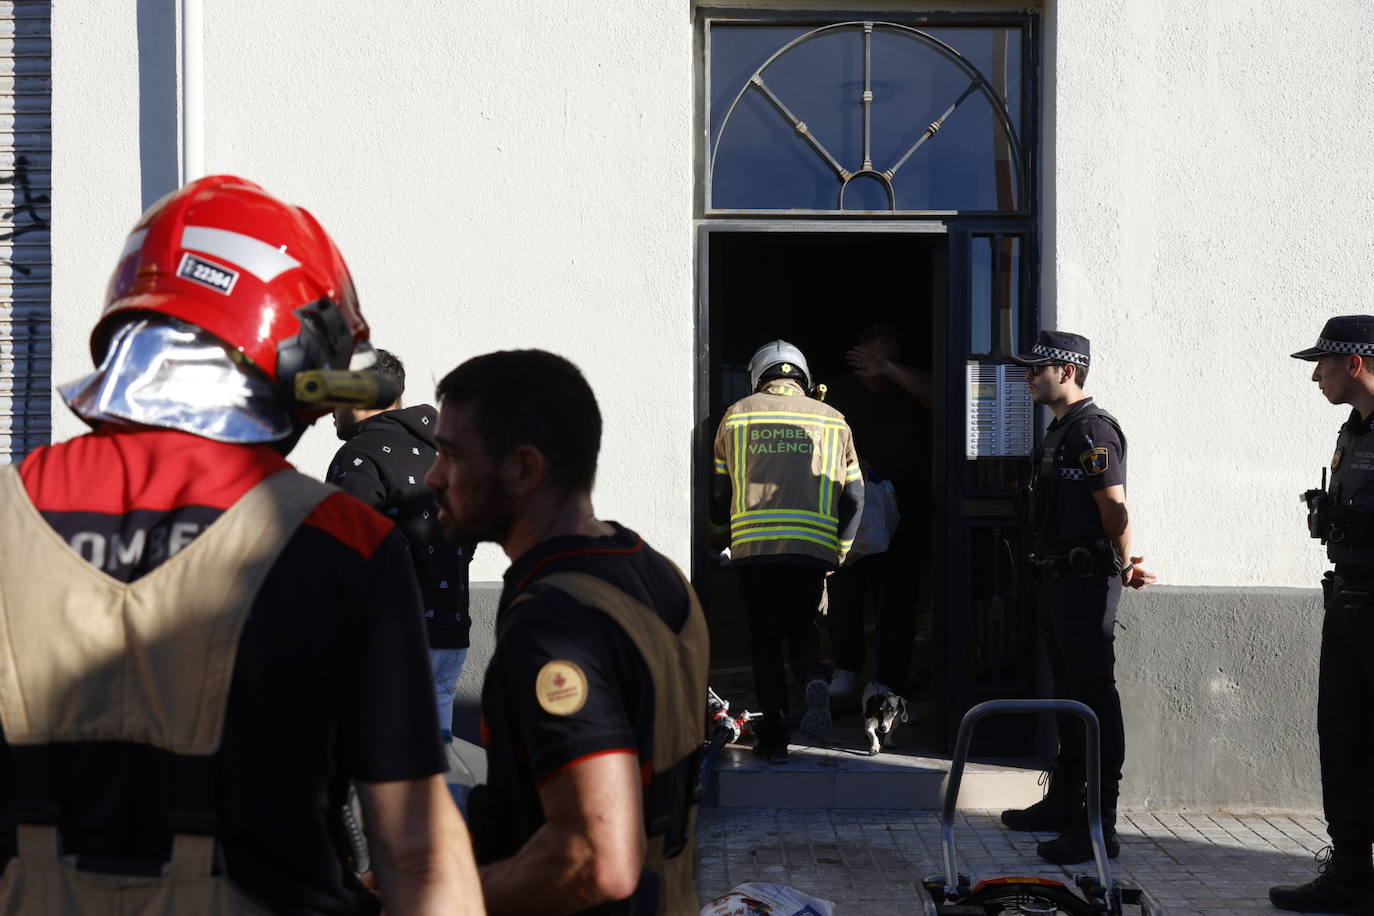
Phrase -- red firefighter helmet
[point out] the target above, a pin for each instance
(259, 274)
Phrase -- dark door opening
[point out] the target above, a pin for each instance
(818, 291)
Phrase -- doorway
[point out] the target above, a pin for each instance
(959, 297)
(819, 291)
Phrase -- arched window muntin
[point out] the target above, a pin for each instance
(846, 173)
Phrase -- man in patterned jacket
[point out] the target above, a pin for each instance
(387, 453)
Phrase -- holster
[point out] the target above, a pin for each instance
(1091, 560)
(1353, 596)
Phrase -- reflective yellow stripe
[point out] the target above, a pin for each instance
(822, 499)
(790, 536)
(828, 528)
(740, 458)
(743, 419)
(821, 506)
(752, 513)
(720, 467)
(779, 528)
(834, 477)
(853, 473)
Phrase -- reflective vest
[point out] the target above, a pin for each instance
(677, 663)
(788, 458)
(85, 657)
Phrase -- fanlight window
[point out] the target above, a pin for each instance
(864, 116)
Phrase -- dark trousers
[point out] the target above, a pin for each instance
(1078, 622)
(889, 580)
(1345, 723)
(781, 600)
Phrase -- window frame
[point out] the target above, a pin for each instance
(1028, 140)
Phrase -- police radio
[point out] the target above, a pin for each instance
(1319, 506)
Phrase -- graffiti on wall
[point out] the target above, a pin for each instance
(24, 218)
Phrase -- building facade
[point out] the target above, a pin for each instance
(654, 188)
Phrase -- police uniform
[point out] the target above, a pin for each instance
(1083, 452)
(786, 464)
(1078, 589)
(1342, 516)
(601, 648)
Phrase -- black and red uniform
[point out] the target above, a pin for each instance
(331, 681)
(526, 745)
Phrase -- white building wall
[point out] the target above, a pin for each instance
(519, 173)
(498, 174)
(1211, 203)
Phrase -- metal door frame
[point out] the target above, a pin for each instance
(949, 325)
(962, 506)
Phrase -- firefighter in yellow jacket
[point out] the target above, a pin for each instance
(788, 482)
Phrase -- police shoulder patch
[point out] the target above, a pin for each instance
(1336, 458)
(1094, 461)
(561, 687)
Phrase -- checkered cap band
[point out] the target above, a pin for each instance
(1063, 356)
(1341, 346)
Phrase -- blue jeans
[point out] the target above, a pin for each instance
(448, 666)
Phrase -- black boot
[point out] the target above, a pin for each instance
(1075, 843)
(1344, 884)
(1056, 811)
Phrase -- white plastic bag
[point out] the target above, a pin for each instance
(878, 522)
(758, 899)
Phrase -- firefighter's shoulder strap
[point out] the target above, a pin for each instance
(85, 657)
(677, 663)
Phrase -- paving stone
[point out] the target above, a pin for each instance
(870, 862)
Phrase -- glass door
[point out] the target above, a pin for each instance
(989, 635)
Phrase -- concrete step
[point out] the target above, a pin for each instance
(837, 777)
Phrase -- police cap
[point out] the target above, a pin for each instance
(1346, 334)
(1057, 347)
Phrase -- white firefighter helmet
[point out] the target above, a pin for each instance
(774, 354)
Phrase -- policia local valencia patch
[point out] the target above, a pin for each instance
(1094, 461)
(561, 688)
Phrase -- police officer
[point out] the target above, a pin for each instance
(1343, 517)
(1081, 532)
(788, 480)
(592, 703)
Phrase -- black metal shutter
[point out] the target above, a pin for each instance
(25, 240)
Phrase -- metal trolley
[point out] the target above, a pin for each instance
(953, 894)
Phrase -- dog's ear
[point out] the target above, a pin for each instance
(901, 704)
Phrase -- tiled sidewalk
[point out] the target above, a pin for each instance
(870, 863)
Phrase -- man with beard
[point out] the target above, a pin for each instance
(1082, 535)
(388, 452)
(592, 704)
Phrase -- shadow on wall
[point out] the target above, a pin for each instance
(158, 126)
(1219, 691)
(467, 705)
